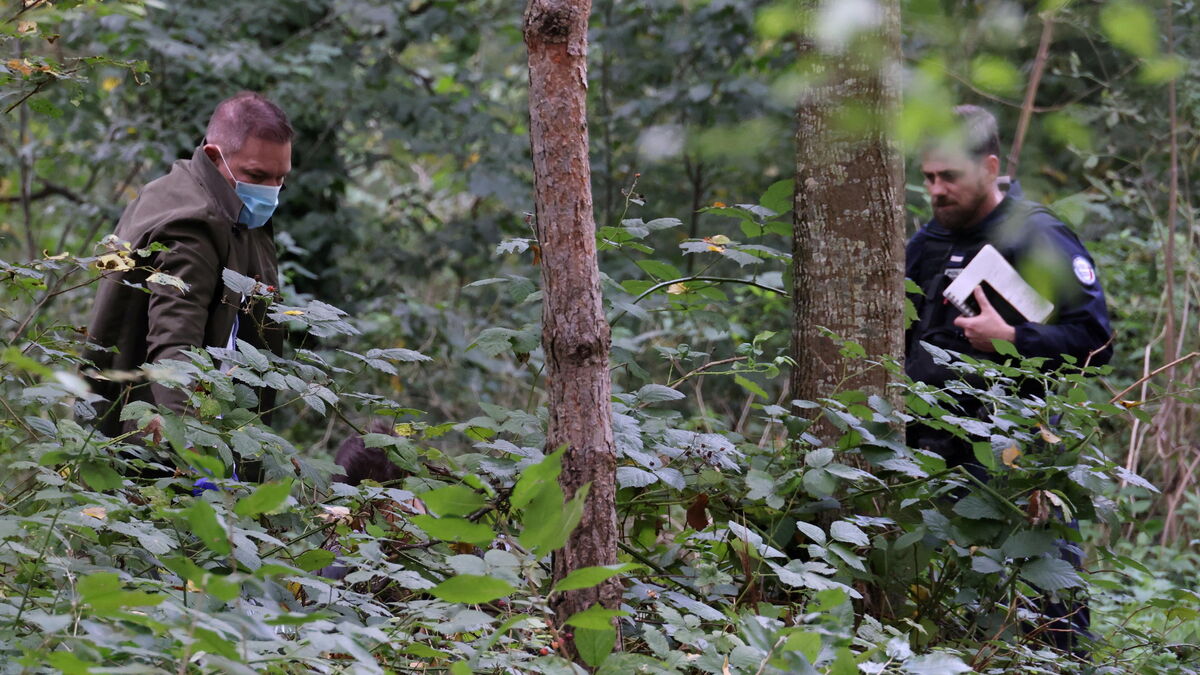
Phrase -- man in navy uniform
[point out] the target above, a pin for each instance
(970, 211)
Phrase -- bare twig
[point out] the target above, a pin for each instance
(1035, 80)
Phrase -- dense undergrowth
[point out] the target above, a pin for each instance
(747, 547)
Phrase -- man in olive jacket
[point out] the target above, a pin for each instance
(211, 212)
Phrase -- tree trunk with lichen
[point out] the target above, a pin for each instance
(849, 218)
(575, 333)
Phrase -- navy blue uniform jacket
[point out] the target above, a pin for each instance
(1045, 252)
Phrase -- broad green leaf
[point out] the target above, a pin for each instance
(995, 74)
(586, 577)
(595, 617)
(266, 498)
(103, 592)
(208, 526)
(1005, 348)
(750, 386)
(848, 532)
(655, 393)
(1050, 573)
(453, 500)
(812, 532)
(935, 663)
(314, 559)
(210, 641)
(658, 269)
(808, 644)
(594, 645)
(779, 196)
(1029, 543)
(100, 476)
(69, 663)
(548, 522)
(538, 477)
(455, 529)
(472, 589)
(977, 507)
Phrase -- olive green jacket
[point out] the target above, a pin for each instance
(193, 211)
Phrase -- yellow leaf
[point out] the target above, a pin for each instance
(110, 83)
(718, 249)
(113, 262)
(1048, 435)
(719, 239)
(1010, 455)
(26, 26)
(192, 587)
(677, 289)
(294, 312)
(404, 429)
(20, 66)
(97, 512)
(1131, 404)
(719, 205)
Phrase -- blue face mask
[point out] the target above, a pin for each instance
(258, 201)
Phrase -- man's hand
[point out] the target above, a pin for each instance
(988, 325)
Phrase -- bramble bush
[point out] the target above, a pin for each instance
(752, 547)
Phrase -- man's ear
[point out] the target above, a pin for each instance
(212, 152)
(991, 164)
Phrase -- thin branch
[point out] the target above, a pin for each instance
(1035, 80)
(1157, 371)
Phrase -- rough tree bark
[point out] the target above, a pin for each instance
(848, 232)
(575, 333)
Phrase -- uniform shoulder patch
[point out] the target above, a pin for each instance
(1084, 270)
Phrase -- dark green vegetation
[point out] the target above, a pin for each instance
(747, 546)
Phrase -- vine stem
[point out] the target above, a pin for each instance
(1035, 80)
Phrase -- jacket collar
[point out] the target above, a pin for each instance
(210, 178)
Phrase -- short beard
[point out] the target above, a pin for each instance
(961, 217)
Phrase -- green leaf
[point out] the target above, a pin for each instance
(69, 663)
(472, 589)
(266, 498)
(779, 196)
(595, 645)
(985, 455)
(935, 663)
(844, 663)
(536, 478)
(586, 577)
(1050, 573)
(314, 559)
(100, 476)
(453, 500)
(812, 532)
(1029, 543)
(455, 529)
(596, 617)
(977, 507)
(995, 74)
(843, 530)
(103, 592)
(750, 386)
(43, 106)
(548, 522)
(1005, 348)
(808, 644)
(659, 270)
(656, 393)
(1130, 26)
(211, 641)
(207, 525)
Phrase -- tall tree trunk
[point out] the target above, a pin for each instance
(575, 333)
(849, 217)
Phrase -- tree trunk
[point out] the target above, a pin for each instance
(575, 333)
(849, 217)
